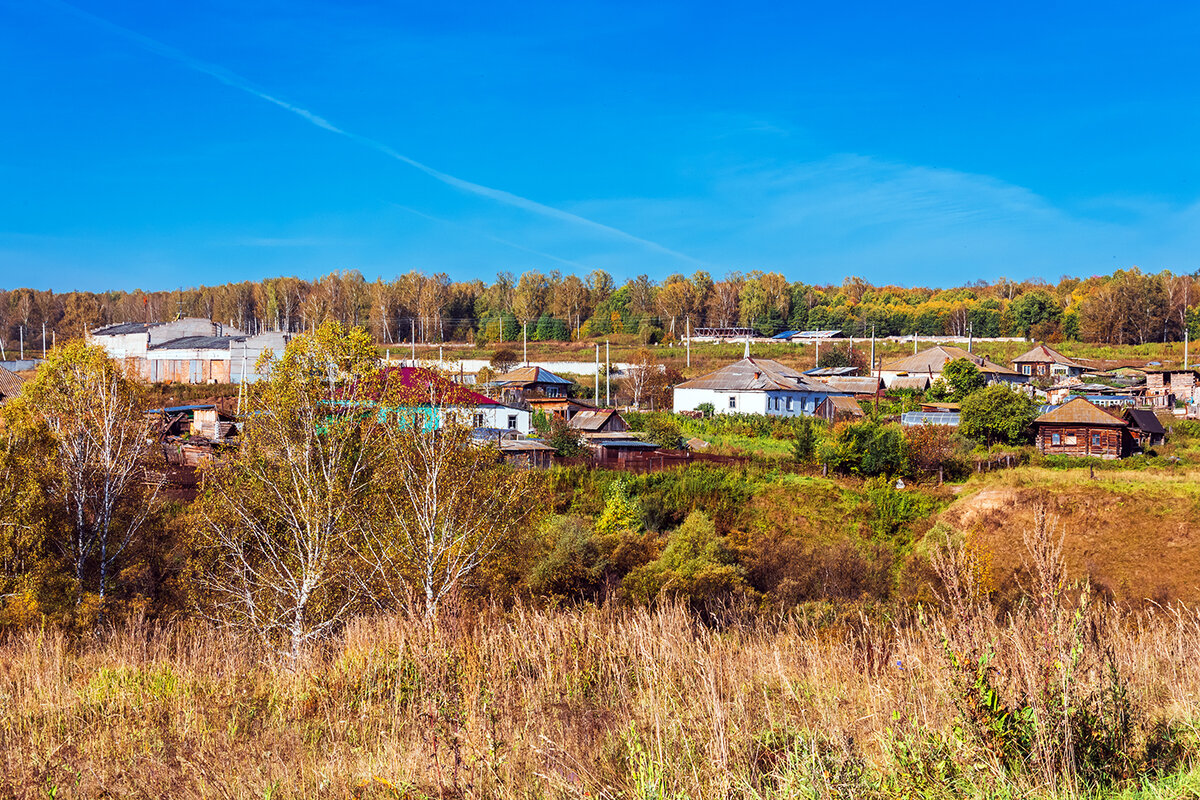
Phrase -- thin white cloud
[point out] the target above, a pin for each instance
(236, 81)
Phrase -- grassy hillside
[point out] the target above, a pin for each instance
(1133, 532)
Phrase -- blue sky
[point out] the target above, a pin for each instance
(159, 145)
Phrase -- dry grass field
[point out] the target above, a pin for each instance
(1065, 698)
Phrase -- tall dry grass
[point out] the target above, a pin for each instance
(567, 703)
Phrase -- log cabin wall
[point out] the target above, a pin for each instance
(1081, 440)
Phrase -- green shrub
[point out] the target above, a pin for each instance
(866, 448)
(695, 566)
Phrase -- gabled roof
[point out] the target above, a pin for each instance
(916, 382)
(857, 385)
(592, 420)
(830, 372)
(530, 375)
(936, 357)
(1041, 354)
(755, 375)
(441, 389)
(550, 402)
(10, 383)
(1144, 420)
(846, 405)
(1080, 411)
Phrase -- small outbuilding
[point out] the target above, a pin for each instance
(1145, 428)
(837, 407)
(1081, 428)
(598, 420)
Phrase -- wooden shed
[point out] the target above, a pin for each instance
(1081, 428)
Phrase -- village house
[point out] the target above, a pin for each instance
(445, 398)
(531, 381)
(1081, 428)
(188, 350)
(563, 407)
(1043, 362)
(1166, 387)
(930, 363)
(753, 386)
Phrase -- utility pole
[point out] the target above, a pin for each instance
(914, 343)
(607, 377)
(970, 336)
(43, 340)
(22, 330)
(596, 393)
(873, 347)
(817, 363)
(689, 341)
(413, 327)
(1185, 348)
(525, 342)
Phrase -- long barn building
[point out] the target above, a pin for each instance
(189, 350)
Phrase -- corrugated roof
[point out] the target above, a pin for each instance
(915, 382)
(591, 420)
(10, 383)
(1079, 411)
(936, 357)
(755, 375)
(1041, 354)
(846, 404)
(860, 385)
(830, 372)
(1144, 419)
(197, 343)
(531, 375)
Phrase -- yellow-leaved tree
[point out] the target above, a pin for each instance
(80, 430)
(281, 519)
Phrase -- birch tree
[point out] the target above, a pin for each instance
(98, 458)
(445, 505)
(280, 519)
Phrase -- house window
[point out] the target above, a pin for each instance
(789, 404)
(733, 401)
(512, 422)
(1095, 440)
(477, 420)
(1026, 367)
(1055, 439)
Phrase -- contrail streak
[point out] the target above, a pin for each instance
(496, 239)
(236, 81)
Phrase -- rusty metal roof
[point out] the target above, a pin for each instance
(530, 375)
(1080, 411)
(1041, 354)
(592, 420)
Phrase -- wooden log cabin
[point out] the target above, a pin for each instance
(1081, 428)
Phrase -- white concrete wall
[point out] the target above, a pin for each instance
(803, 403)
(493, 417)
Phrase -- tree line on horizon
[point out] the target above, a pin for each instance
(1127, 307)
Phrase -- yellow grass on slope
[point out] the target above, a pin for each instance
(580, 703)
(1136, 533)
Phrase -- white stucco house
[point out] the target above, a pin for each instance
(754, 386)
